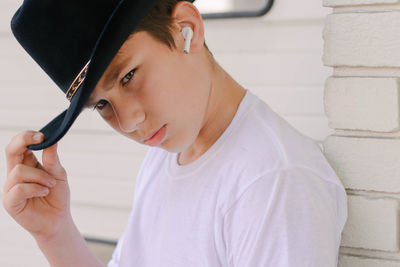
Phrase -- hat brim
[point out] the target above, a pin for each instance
(122, 22)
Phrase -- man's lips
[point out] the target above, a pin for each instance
(157, 138)
(151, 135)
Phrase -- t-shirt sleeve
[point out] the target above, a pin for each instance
(286, 219)
(114, 262)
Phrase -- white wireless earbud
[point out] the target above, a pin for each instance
(187, 34)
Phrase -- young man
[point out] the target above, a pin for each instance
(226, 182)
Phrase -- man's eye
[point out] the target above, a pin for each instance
(100, 105)
(128, 77)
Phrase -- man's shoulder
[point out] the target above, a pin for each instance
(264, 139)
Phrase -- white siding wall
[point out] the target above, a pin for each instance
(278, 57)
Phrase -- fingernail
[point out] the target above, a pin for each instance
(44, 192)
(37, 137)
(52, 182)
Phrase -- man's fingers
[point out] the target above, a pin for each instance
(51, 163)
(26, 174)
(15, 200)
(31, 160)
(16, 148)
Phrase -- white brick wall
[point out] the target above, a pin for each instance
(365, 163)
(361, 101)
(370, 104)
(367, 39)
(371, 224)
(354, 261)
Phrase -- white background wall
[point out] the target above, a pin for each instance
(278, 57)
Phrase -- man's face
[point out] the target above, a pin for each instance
(147, 86)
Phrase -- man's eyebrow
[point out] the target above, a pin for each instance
(115, 70)
(113, 74)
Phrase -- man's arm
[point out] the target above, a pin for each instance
(67, 248)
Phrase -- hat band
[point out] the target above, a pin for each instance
(77, 82)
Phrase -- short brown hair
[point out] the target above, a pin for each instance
(158, 23)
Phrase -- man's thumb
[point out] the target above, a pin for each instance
(51, 162)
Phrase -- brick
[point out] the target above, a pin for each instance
(353, 261)
(365, 163)
(333, 3)
(371, 224)
(362, 103)
(370, 39)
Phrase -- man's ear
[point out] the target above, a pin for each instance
(186, 14)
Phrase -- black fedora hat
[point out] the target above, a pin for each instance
(74, 41)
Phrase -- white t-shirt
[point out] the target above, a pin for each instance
(262, 195)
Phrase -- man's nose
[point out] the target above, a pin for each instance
(129, 115)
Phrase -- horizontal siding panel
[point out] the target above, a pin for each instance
(19, 249)
(35, 118)
(18, 65)
(7, 10)
(17, 246)
(108, 143)
(31, 97)
(101, 166)
(314, 127)
(275, 68)
(286, 10)
(19, 118)
(261, 36)
(292, 100)
(102, 193)
(11, 263)
(99, 222)
(15, 256)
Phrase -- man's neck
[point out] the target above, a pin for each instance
(223, 101)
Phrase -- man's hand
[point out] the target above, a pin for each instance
(36, 195)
